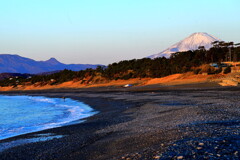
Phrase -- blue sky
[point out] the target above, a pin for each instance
(106, 31)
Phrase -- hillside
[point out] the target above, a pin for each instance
(172, 80)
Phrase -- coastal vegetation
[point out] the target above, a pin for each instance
(181, 62)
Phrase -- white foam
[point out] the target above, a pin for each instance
(41, 99)
(67, 111)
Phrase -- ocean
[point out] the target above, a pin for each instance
(26, 114)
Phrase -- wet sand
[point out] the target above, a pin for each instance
(155, 122)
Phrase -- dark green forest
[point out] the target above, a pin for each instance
(179, 62)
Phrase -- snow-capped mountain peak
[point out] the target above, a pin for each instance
(190, 43)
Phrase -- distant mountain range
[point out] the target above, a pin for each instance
(17, 64)
(190, 43)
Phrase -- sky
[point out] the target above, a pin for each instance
(107, 31)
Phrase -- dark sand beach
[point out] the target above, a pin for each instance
(198, 121)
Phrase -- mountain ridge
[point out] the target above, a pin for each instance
(13, 63)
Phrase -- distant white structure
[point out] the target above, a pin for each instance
(190, 43)
(127, 85)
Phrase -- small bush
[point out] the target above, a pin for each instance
(196, 71)
(219, 70)
(206, 68)
(227, 70)
(128, 76)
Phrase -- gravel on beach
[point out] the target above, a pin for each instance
(195, 123)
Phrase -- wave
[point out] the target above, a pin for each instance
(31, 114)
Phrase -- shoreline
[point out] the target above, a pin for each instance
(129, 123)
(183, 79)
(143, 88)
(72, 111)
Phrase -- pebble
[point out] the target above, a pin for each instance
(199, 147)
(201, 144)
(156, 157)
(180, 157)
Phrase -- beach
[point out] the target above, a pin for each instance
(149, 122)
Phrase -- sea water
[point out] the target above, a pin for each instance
(25, 114)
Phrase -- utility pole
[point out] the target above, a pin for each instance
(237, 45)
(230, 46)
(230, 54)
